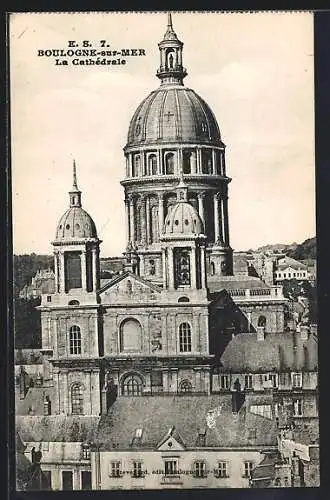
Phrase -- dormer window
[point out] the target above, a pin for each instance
(86, 451)
(296, 380)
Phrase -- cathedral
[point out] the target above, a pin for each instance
(159, 326)
(158, 333)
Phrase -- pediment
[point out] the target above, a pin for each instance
(171, 442)
(129, 288)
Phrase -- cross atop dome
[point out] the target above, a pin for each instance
(171, 71)
(75, 193)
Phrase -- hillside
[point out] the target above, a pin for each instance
(306, 250)
(299, 251)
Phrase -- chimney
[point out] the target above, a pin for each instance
(260, 333)
(237, 397)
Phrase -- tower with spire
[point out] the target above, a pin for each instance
(76, 251)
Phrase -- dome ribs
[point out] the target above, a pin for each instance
(161, 116)
(177, 116)
(149, 104)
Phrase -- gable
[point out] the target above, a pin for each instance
(170, 444)
(129, 288)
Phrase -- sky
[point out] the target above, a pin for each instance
(254, 70)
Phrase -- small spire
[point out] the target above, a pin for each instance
(75, 185)
(169, 21)
(75, 194)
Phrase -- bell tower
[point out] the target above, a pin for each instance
(76, 251)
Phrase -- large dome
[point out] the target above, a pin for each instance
(76, 223)
(173, 113)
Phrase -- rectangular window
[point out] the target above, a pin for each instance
(284, 275)
(296, 379)
(222, 469)
(86, 452)
(248, 466)
(273, 379)
(171, 467)
(49, 298)
(115, 469)
(86, 480)
(67, 480)
(137, 469)
(248, 381)
(289, 275)
(298, 407)
(224, 382)
(200, 469)
(46, 480)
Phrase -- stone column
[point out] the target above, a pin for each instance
(164, 268)
(222, 221)
(83, 270)
(193, 271)
(193, 162)
(225, 220)
(199, 161)
(203, 266)
(161, 212)
(56, 271)
(67, 408)
(147, 220)
(130, 164)
(127, 229)
(94, 268)
(143, 220)
(179, 57)
(201, 207)
(160, 162)
(131, 220)
(170, 266)
(214, 162)
(180, 162)
(143, 163)
(62, 273)
(216, 216)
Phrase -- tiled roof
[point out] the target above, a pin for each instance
(264, 473)
(56, 428)
(286, 262)
(34, 399)
(279, 351)
(157, 414)
(235, 282)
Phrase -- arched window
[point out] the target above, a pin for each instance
(132, 386)
(170, 59)
(185, 386)
(136, 165)
(262, 321)
(212, 268)
(185, 337)
(186, 162)
(183, 299)
(152, 165)
(130, 336)
(75, 340)
(77, 399)
(206, 162)
(169, 164)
